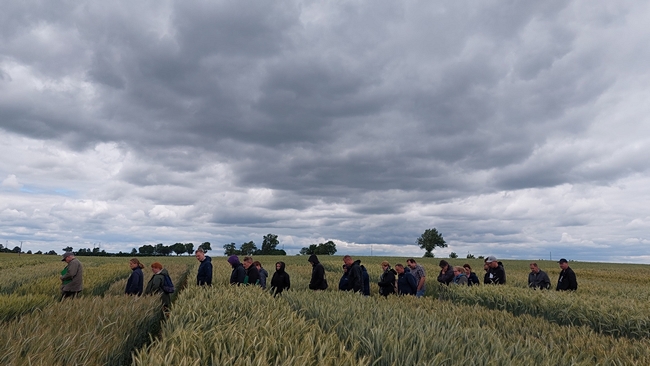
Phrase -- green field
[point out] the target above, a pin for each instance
(605, 322)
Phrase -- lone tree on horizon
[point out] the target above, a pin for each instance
(429, 240)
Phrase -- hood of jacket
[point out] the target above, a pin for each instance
(206, 259)
(233, 260)
(313, 259)
(282, 265)
(163, 272)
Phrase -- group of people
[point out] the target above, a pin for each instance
(401, 280)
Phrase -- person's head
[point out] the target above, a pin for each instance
(258, 265)
(233, 260)
(444, 265)
(458, 270)
(385, 265)
(313, 259)
(345, 268)
(67, 257)
(200, 254)
(564, 264)
(492, 262)
(399, 268)
(279, 266)
(534, 268)
(135, 263)
(248, 261)
(348, 260)
(156, 267)
(468, 268)
(411, 263)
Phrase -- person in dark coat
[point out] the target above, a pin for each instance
(366, 281)
(135, 283)
(155, 285)
(387, 280)
(204, 275)
(496, 273)
(252, 274)
(263, 274)
(406, 284)
(355, 275)
(472, 278)
(446, 275)
(343, 282)
(567, 280)
(318, 280)
(238, 273)
(537, 278)
(280, 280)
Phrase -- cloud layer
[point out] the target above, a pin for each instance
(516, 129)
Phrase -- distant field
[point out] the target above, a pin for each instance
(607, 321)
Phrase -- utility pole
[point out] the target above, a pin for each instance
(21, 248)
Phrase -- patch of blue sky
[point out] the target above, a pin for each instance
(46, 191)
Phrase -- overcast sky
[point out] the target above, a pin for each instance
(516, 128)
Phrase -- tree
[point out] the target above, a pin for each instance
(163, 249)
(428, 255)
(147, 249)
(39, 252)
(134, 251)
(269, 243)
(205, 246)
(51, 252)
(248, 248)
(16, 249)
(178, 248)
(189, 248)
(453, 255)
(230, 249)
(67, 249)
(470, 256)
(429, 240)
(328, 248)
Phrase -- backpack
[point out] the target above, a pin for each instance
(168, 286)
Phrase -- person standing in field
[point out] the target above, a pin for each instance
(406, 284)
(567, 280)
(238, 274)
(155, 285)
(366, 281)
(459, 276)
(496, 273)
(135, 283)
(318, 280)
(204, 275)
(387, 282)
(472, 278)
(280, 280)
(71, 276)
(343, 282)
(263, 274)
(537, 278)
(447, 274)
(355, 275)
(419, 274)
(252, 275)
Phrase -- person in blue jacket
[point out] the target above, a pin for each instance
(204, 275)
(343, 282)
(406, 284)
(135, 283)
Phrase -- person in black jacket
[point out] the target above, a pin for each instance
(238, 272)
(406, 284)
(135, 283)
(318, 280)
(355, 275)
(366, 281)
(537, 278)
(472, 278)
(252, 274)
(343, 282)
(204, 275)
(567, 280)
(280, 280)
(496, 273)
(387, 280)
(446, 275)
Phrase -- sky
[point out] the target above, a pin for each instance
(517, 129)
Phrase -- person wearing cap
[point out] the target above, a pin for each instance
(419, 274)
(71, 276)
(238, 274)
(318, 280)
(567, 280)
(496, 274)
(537, 278)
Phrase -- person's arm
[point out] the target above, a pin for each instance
(573, 281)
(287, 282)
(420, 285)
(546, 282)
(412, 284)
